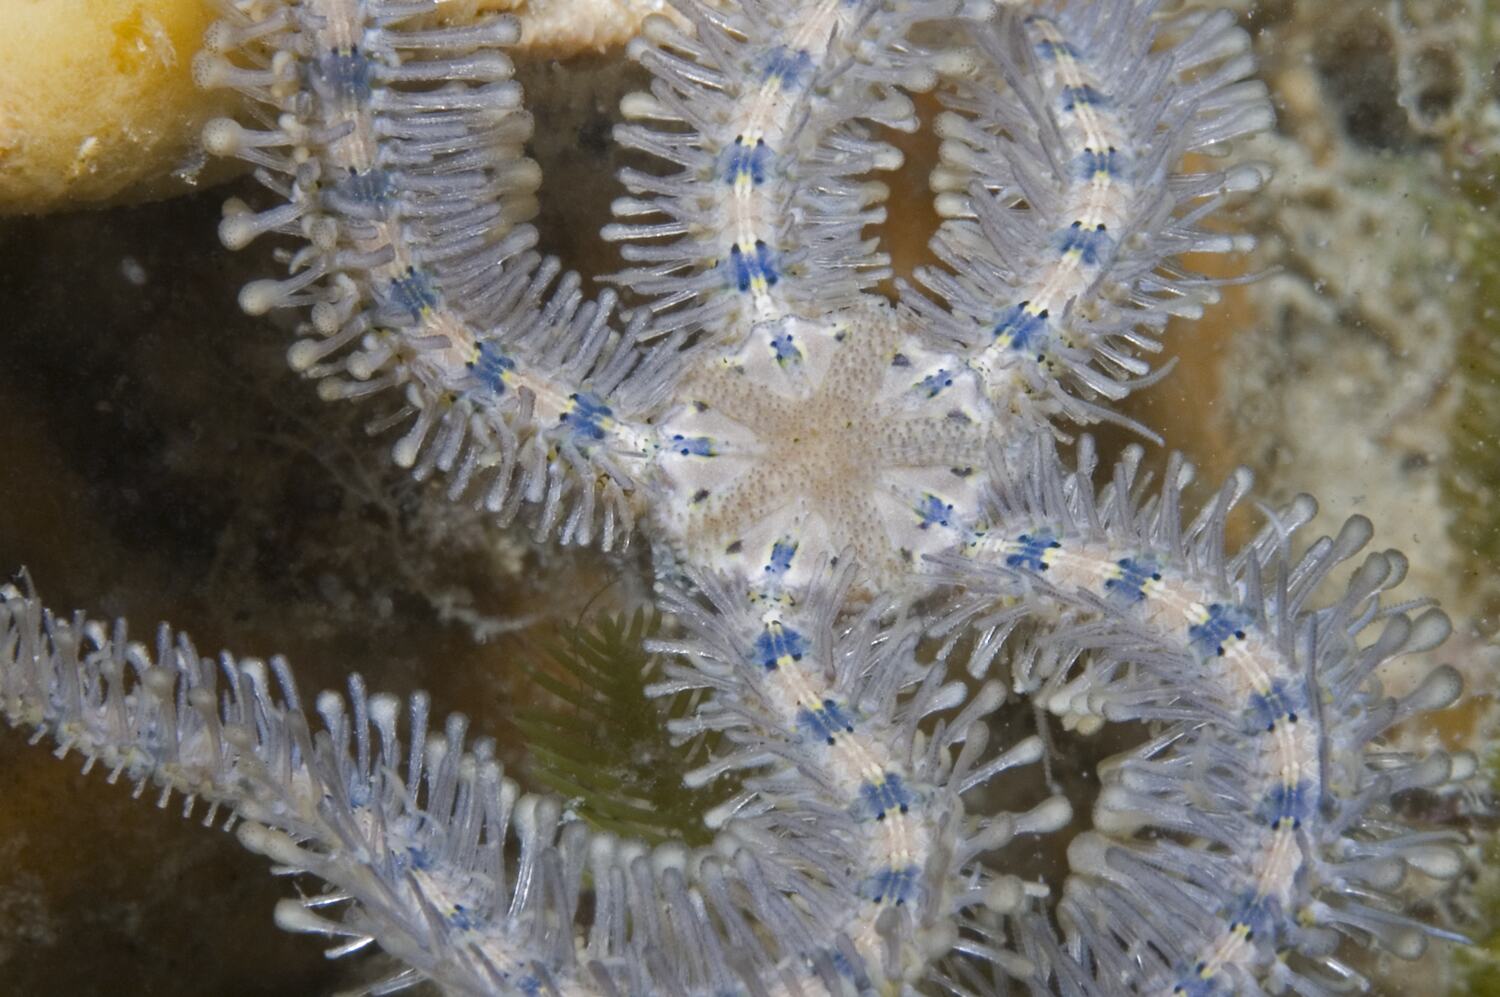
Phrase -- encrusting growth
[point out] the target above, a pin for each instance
(866, 540)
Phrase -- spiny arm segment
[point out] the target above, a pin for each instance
(410, 843)
(394, 142)
(427, 850)
(1066, 208)
(837, 720)
(763, 111)
(422, 847)
(1236, 847)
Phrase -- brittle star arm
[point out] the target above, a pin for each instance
(1238, 843)
(422, 847)
(427, 850)
(1066, 202)
(765, 111)
(395, 144)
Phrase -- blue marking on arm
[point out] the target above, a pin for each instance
(1051, 51)
(1031, 552)
(465, 919)
(892, 885)
(1084, 96)
(1224, 622)
(1091, 244)
(746, 162)
(935, 382)
(1285, 804)
(785, 349)
(825, 722)
(782, 552)
(1129, 586)
(739, 268)
(1020, 328)
(414, 292)
(752, 266)
(877, 798)
(765, 263)
(1258, 915)
(778, 643)
(588, 417)
(1091, 163)
(933, 511)
(373, 186)
(493, 368)
(1277, 704)
(694, 446)
(787, 66)
(344, 73)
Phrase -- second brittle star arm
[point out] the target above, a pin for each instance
(1248, 832)
(1068, 209)
(395, 143)
(765, 114)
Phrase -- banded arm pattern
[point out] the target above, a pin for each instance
(767, 111)
(1067, 207)
(394, 144)
(1233, 849)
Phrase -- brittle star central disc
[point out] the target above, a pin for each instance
(819, 438)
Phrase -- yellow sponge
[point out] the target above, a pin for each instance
(97, 102)
(98, 106)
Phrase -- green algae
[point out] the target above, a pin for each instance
(603, 744)
(1473, 477)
